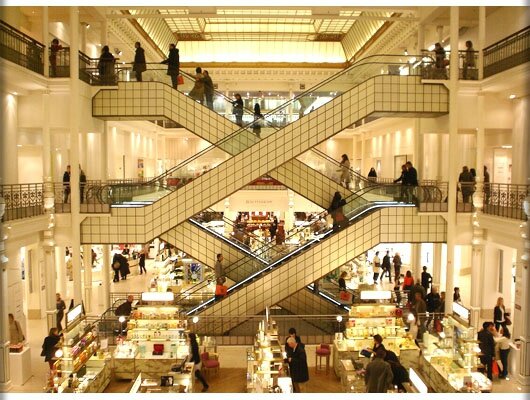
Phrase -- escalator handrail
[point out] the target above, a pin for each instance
(337, 163)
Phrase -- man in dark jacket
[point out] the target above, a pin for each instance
(487, 346)
(208, 89)
(426, 279)
(66, 183)
(467, 183)
(125, 308)
(386, 267)
(139, 61)
(433, 304)
(411, 179)
(378, 377)
(297, 364)
(173, 64)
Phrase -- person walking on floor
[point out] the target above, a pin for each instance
(386, 267)
(195, 357)
(60, 305)
(139, 64)
(376, 266)
(49, 346)
(502, 340)
(426, 279)
(403, 179)
(297, 364)
(66, 184)
(141, 260)
(433, 304)
(397, 267)
(197, 93)
(378, 377)
(237, 109)
(345, 175)
(208, 89)
(173, 64)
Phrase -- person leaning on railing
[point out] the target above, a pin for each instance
(106, 66)
(54, 49)
(469, 60)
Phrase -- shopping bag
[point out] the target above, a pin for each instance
(494, 368)
(438, 325)
(220, 290)
(345, 296)
(180, 79)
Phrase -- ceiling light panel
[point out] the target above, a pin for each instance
(262, 12)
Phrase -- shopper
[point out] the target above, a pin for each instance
(345, 174)
(49, 346)
(418, 288)
(82, 184)
(372, 175)
(125, 308)
(469, 60)
(385, 267)
(297, 364)
(16, 335)
(408, 281)
(60, 305)
(467, 182)
(258, 120)
(141, 260)
(397, 267)
(208, 89)
(376, 266)
(378, 377)
(487, 188)
(487, 346)
(499, 314)
(273, 228)
(433, 304)
(66, 184)
(173, 64)
(378, 344)
(54, 49)
(237, 109)
(139, 64)
(195, 357)
(120, 262)
(456, 295)
(219, 273)
(403, 179)
(336, 212)
(106, 66)
(426, 279)
(411, 182)
(400, 373)
(439, 52)
(419, 310)
(197, 92)
(292, 333)
(502, 339)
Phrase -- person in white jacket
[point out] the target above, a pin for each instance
(502, 340)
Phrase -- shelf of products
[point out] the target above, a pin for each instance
(265, 362)
(450, 360)
(83, 367)
(367, 320)
(156, 340)
(172, 382)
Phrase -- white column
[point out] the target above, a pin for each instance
(104, 152)
(105, 276)
(478, 196)
(437, 264)
(481, 40)
(415, 260)
(87, 263)
(74, 153)
(477, 275)
(520, 141)
(9, 135)
(5, 377)
(418, 148)
(439, 167)
(82, 37)
(453, 167)
(104, 31)
(521, 313)
(50, 275)
(421, 39)
(363, 171)
(60, 264)
(45, 36)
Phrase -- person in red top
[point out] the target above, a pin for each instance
(408, 282)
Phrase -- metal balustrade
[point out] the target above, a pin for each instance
(507, 53)
(440, 69)
(21, 49)
(22, 200)
(505, 200)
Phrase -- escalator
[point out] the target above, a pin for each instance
(252, 161)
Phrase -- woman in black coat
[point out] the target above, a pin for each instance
(49, 346)
(336, 212)
(139, 61)
(173, 64)
(297, 364)
(196, 358)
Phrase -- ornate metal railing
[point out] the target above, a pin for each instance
(507, 53)
(505, 200)
(21, 49)
(93, 198)
(22, 200)
(60, 63)
(439, 68)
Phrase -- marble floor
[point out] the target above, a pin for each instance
(229, 380)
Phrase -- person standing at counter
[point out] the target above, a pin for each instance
(397, 267)
(196, 358)
(502, 339)
(49, 346)
(292, 333)
(378, 377)
(487, 346)
(16, 335)
(297, 364)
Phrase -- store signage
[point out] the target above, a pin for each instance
(158, 296)
(417, 382)
(461, 311)
(73, 314)
(376, 295)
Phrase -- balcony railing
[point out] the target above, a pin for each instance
(505, 200)
(93, 198)
(22, 200)
(507, 53)
(60, 63)
(439, 68)
(21, 49)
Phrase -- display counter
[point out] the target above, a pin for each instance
(170, 382)
(20, 365)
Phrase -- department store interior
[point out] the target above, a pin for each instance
(359, 174)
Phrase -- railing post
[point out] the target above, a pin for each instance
(45, 34)
(481, 42)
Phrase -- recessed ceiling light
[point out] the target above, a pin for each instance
(512, 96)
(15, 93)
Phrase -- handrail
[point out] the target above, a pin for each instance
(20, 33)
(506, 39)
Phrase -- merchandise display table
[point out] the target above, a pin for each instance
(170, 382)
(20, 365)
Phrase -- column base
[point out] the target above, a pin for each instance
(475, 317)
(5, 376)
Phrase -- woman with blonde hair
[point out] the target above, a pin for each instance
(499, 314)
